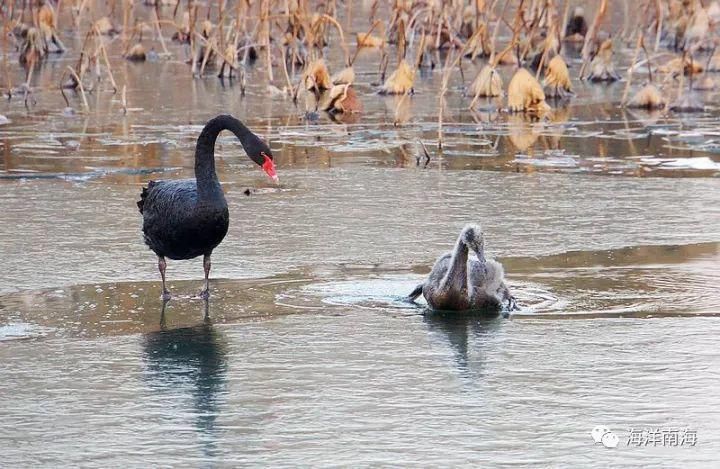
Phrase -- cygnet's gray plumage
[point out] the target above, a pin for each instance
(458, 282)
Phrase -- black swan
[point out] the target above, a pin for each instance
(457, 283)
(183, 219)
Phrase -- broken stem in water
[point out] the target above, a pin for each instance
(123, 99)
(342, 38)
(101, 46)
(285, 70)
(80, 85)
(443, 90)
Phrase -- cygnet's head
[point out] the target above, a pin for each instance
(472, 236)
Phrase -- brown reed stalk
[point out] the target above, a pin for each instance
(425, 152)
(534, 24)
(158, 29)
(418, 57)
(284, 67)
(103, 51)
(421, 50)
(268, 26)
(6, 67)
(192, 10)
(221, 14)
(546, 50)
(357, 48)
(441, 100)
(342, 37)
(566, 17)
(348, 14)
(682, 75)
(29, 74)
(55, 18)
(401, 41)
(623, 101)
(659, 22)
(447, 72)
(126, 21)
(209, 48)
(591, 35)
(515, 28)
(496, 30)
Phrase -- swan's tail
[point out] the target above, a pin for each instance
(415, 293)
(143, 195)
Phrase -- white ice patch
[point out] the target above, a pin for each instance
(700, 163)
(21, 331)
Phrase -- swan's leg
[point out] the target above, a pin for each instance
(161, 266)
(205, 293)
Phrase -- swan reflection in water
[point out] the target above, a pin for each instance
(189, 362)
(466, 334)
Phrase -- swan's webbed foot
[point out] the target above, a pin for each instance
(204, 294)
(165, 296)
(512, 304)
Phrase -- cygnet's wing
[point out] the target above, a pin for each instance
(415, 293)
(487, 276)
(442, 264)
(495, 275)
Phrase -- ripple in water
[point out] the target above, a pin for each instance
(391, 291)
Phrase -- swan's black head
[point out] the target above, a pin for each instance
(256, 149)
(260, 153)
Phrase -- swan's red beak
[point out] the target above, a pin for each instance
(269, 167)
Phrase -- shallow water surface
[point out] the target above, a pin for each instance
(607, 222)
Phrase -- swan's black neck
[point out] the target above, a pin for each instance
(207, 180)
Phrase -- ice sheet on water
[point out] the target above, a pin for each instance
(491, 154)
(17, 331)
(625, 134)
(699, 163)
(135, 141)
(558, 161)
(663, 132)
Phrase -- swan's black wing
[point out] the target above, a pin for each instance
(144, 195)
(168, 210)
(166, 197)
